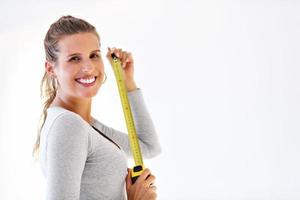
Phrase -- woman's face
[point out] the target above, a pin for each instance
(79, 68)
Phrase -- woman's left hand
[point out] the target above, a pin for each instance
(126, 62)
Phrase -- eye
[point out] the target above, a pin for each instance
(75, 59)
(95, 55)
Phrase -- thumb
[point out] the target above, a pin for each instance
(128, 179)
(108, 55)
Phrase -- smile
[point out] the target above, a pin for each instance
(87, 82)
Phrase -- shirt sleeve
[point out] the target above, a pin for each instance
(145, 129)
(67, 150)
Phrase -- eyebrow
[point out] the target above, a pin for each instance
(74, 54)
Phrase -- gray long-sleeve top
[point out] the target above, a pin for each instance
(81, 164)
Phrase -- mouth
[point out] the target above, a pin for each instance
(87, 81)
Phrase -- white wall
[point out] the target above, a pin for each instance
(220, 78)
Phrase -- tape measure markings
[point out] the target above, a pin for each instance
(133, 140)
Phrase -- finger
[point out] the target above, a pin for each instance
(144, 175)
(109, 52)
(124, 58)
(150, 180)
(114, 50)
(128, 179)
(119, 53)
(129, 57)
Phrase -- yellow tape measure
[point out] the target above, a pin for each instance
(134, 143)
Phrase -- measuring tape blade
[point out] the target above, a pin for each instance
(133, 139)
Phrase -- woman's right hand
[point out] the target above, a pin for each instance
(143, 188)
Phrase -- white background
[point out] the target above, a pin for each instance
(220, 79)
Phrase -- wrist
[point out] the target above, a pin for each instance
(130, 85)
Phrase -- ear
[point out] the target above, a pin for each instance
(49, 66)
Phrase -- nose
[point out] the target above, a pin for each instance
(87, 67)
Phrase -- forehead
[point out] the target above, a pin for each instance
(76, 43)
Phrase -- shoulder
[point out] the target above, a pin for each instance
(66, 136)
(64, 118)
(64, 125)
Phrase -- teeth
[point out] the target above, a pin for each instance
(89, 80)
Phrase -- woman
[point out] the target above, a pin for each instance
(81, 157)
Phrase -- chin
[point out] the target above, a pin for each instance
(89, 94)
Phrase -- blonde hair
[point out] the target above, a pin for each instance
(66, 25)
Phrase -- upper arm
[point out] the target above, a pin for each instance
(67, 149)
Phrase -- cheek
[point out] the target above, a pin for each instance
(100, 66)
(71, 70)
(69, 74)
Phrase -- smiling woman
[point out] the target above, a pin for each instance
(81, 69)
(82, 158)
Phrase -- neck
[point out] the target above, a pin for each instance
(80, 106)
